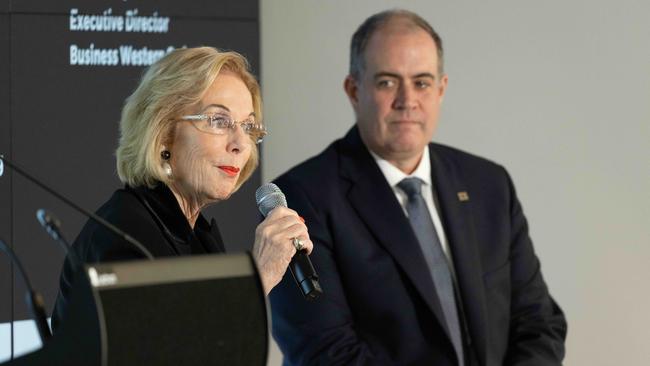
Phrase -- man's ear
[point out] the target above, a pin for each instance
(443, 86)
(351, 88)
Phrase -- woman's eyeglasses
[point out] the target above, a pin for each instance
(221, 124)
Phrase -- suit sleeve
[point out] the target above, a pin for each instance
(537, 325)
(320, 332)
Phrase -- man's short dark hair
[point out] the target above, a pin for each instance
(374, 23)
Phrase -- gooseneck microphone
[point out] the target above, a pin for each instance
(136, 244)
(52, 225)
(268, 197)
(34, 300)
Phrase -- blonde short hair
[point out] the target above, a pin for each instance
(171, 85)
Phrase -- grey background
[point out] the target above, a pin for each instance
(60, 123)
(557, 91)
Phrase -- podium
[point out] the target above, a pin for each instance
(201, 310)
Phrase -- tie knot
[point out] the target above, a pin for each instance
(411, 186)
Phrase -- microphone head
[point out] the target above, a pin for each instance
(41, 215)
(47, 220)
(269, 196)
(50, 223)
(2, 166)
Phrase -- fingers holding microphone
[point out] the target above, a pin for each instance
(277, 239)
(269, 197)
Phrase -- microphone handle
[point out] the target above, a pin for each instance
(304, 274)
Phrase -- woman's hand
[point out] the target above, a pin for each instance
(274, 248)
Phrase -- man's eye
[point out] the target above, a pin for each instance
(422, 84)
(385, 83)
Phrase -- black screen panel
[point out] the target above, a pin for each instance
(59, 120)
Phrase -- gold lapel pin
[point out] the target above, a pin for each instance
(463, 196)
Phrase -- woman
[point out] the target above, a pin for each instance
(189, 137)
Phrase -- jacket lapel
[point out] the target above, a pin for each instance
(456, 213)
(377, 206)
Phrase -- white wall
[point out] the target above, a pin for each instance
(557, 91)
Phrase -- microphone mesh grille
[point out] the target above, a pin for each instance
(269, 196)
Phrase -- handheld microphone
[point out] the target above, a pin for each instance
(33, 299)
(269, 196)
(136, 244)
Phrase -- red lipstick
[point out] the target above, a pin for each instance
(230, 170)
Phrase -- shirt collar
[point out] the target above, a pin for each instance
(394, 175)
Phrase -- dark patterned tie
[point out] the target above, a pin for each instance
(422, 224)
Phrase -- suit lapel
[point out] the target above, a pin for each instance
(377, 206)
(457, 220)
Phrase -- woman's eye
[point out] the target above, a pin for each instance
(219, 122)
(249, 126)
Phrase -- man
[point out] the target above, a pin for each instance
(423, 250)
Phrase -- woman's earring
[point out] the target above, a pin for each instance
(165, 155)
(168, 169)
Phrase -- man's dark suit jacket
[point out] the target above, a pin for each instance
(379, 305)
